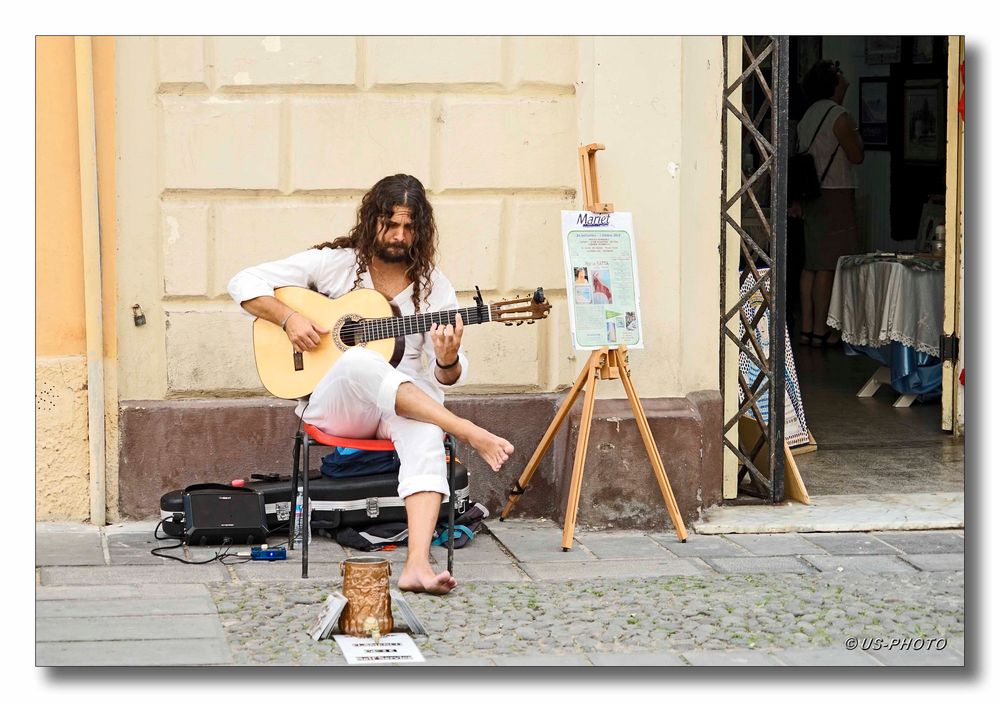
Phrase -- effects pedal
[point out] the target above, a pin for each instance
(277, 553)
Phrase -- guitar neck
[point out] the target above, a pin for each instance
(390, 327)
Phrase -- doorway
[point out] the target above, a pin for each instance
(906, 199)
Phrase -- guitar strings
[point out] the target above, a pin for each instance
(359, 331)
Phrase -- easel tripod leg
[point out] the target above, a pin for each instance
(543, 446)
(654, 457)
(581, 452)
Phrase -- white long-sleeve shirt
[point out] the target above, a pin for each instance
(332, 272)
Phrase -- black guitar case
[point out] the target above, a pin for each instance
(355, 502)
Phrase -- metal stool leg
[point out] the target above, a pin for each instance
(450, 448)
(306, 526)
(296, 452)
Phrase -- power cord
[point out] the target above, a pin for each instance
(219, 556)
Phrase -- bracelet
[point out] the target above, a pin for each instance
(285, 320)
(450, 365)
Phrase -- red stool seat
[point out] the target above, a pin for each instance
(311, 434)
(320, 437)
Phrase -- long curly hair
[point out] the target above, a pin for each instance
(377, 206)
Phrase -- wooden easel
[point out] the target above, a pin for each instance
(604, 364)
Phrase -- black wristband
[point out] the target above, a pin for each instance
(450, 365)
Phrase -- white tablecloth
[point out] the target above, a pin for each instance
(876, 301)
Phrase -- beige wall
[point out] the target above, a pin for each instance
(62, 454)
(237, 150)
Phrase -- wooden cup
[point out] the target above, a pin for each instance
(366, 587)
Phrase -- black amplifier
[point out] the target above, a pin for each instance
(221, 514)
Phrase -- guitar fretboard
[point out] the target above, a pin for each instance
(390, 327)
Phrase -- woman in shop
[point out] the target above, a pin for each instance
(830, 227)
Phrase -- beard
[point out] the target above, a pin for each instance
(392, 253)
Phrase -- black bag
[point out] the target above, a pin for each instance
(803, 183)
(354, 463)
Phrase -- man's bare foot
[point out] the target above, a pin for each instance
(426, 580)
(495, 450)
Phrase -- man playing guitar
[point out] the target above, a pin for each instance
(391, 249)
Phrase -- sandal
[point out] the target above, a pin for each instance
(806, 338)
(823, 342)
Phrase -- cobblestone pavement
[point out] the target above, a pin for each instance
(265, 624)
(617, 598)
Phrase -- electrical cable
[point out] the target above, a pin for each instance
(219, 556)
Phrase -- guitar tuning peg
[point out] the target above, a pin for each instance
(508, 324)
(531, 322)
(520, 323)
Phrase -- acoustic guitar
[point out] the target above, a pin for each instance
(361, 318)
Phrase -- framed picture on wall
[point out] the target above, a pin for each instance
(873, 122)
(810, 50)
(923, 120)
(923, 50)
(882, 50)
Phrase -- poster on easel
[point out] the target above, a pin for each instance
(602, 279)
(796, 430)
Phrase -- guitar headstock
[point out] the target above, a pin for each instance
(521, 309)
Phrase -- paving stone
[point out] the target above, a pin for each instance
(190, 626)
(482, 549)
(130, 548)
(270, 571)
(539, 660)
(66, 528)
(850, 544)
(610, 569)
(146, 526)
(117, 575)
(68, 548)
(536, 542)
(946, 657)
(736, 658)
(860, 564)
(86, 592)
(180, 651)
(121, 607)
(924, 541)
(937, 561)
(488, 573)
(774, 564)
(775, 544)
(619, 546)
(825, 657)
(328, 551)
(637, 658)
(700, 545)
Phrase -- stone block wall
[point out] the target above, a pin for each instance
(266, 145)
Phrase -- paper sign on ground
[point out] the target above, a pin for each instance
(392, 648)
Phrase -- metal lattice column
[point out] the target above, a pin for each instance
(763, 114)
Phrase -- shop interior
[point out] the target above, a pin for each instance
(891, 441)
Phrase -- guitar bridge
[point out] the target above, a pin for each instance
(297, 360)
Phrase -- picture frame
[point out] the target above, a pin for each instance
(873, 112)
(923, 50)
(809, 51)
(883, 50)
(923, 120)
(931, 215)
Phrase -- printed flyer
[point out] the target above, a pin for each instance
(602, 279)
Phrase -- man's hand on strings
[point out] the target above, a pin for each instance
(304, 333)
(447, 340)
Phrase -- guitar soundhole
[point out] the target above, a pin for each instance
(350, 334)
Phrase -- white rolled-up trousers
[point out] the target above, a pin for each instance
(356, 399)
